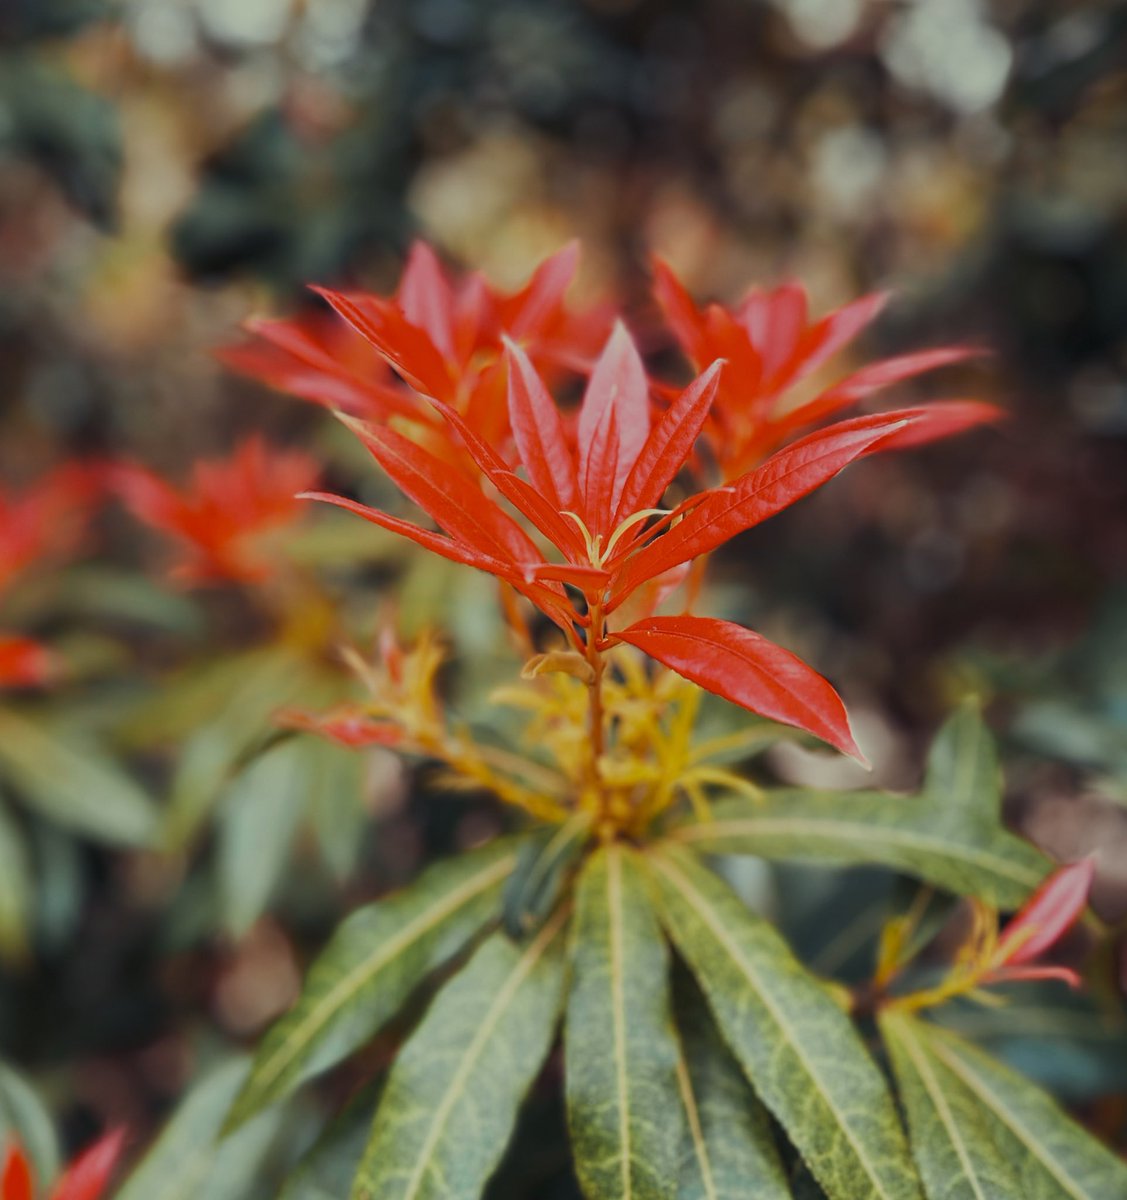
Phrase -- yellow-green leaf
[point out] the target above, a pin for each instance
(621, 1052)
(453, 1093)
(796, 1045)
(943, 845)
(1053, 1158)
(15, 890)
(369, 968)
(727, 1151)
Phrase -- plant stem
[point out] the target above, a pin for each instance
(596, 713)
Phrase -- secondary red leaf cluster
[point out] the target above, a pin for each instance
(224, 510)
(41, 526)
(564, 504)
(85, 1179)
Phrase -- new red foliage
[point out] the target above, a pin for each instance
(85, 1179)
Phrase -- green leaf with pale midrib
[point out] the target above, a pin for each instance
(728, 1151)
(1053, 1157)
(957, 1155)
(797, 1047)
(622, 1095)
(453, 1093)
(962, 764)
(370, 967)
(327, 1170)
(945, 846)
(73, 784)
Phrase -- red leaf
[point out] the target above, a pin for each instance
(614, 422)
(408, 348)
(16, 1181)
(543, 294)
(787, 476)
(944, 419)
(87, 1177)
(539, 431)
(543, 514)
(669, 444)
(684, 318)
(775, 322)
(836, 330)
(1048, 914)
(348, 726)
(24, 663)
(450, 497)
(749, 670)
(426, 298)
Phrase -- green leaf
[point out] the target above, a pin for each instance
(24, 1118)
(542, 869)
(955, 1150)
(622, 1100)
(261, 812)
(728, 1152)
(15, 890)
(72, 783)
(1052, 1157)
(796, 1045)
(943, 845)
(372, 964)
(454, 1091)
(188, 1161)
(327, 1171)
(336, 804)
(962, 765)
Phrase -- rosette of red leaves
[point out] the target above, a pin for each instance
(591, 489)
(85, 1179)
(222, 513)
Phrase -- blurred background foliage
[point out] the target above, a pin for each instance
(169, 167)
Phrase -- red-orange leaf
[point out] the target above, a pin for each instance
(784, 478)
(614, 422)
(16, 1182)
(749, 670)
(669, 444)
(539, 431)
(426, 297)
(544, 292)
(450, 497)
(1048, 914)
(408, 348)
(87, 1177)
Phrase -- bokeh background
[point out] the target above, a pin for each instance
(169, 167)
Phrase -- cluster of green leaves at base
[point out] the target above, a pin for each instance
(702, 1059)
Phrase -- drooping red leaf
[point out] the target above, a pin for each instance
(1048, 914)
(668, 446)
(447, 495)
(88, 1177)
(749, 670)
(787, 476)
(944, 419)
(408, 348)
(539, 431)
(426, 297)
(614, 422)
(16, 1180)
